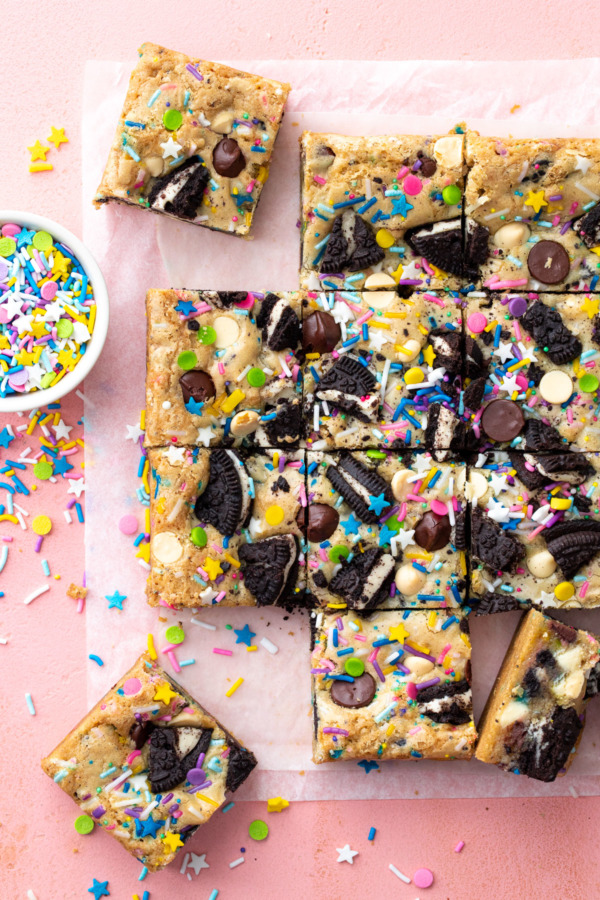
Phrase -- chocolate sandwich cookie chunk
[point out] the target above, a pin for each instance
(171, 764)
(350, 386)
(535, 535)
(382, 211)
(389, 695)
(225, 526)
(535, 383)
(538, 202)
(387, 531)
(223, 369)
(194, 140)
(534, 717)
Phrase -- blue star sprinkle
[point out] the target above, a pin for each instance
(368, 764)
(185, 307)
(99, 889)
(378, 504)
(149, 827)
(244, 635)
(115, 600)
(5, 438)
(194, 407)
(385, 535)
(62, 466)
(401, 206)
(351, 524)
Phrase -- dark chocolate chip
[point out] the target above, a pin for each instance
(550, 333)
(432, 532)
(588, 227)
(494, 547)
(193, 325)
(140, 732)
(240, 763)
(354, 694)
(320, 521)
(428, 166)
(546, 749)
(269, 567)
(320, 333)
(548, 262)
(197, 385)
(224, 501)
(502, 420)
(228, 158)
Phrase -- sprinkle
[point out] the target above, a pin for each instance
(35, 594)
(29, 703)
(372, 832)
(399, 874)
(269, 645)
(96, 659)
(459, 846)
(236, 862)
(236, 684)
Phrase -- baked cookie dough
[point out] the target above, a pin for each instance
(382, 370)
(534, 717)
(385, 530)
(533, 212)
(382, 211)
(148, 764)
(194, 140)
(224, 527)
(392, 686)
(222, 367)
(535, 530)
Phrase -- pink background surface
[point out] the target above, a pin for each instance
(526, 848)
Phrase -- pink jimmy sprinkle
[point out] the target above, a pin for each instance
(373, 655)
(414, 497)
(314, 563)
(505, 285)
(366, 316)
(303, 501)
(415, 730)
(173, 661)
(433, 299)
(250, 187)
(133, 755)
(360, 637)
(569, 415)
(532, 401)
(353, 306)
(590, 365)
(428, 269)
(573, 207)
(220, 596)
(529, 511)
(216, 548)
(440, 658)
(402, 513)
(202, 573)
(459, 846)
(517, 330)
(204, 307)
(323, 555)
(556, 220)
(403, 171)
(295, 372)
(222, 652)
(533, 534)
(319, 179)
(584, 589)
(221, 369)
(331, 730)
(411, 690)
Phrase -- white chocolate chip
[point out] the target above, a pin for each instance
(378, 280)
(409, 580)
(476, 487)
(400, 485)
(154, 164)
(244, 422)
(222, 122)
(166, 547)
(448, 150)
(417, 665)
(127, 171)
(510, 236)
(410, 350)
(542, 564)
(556, 386)
(571, 659)
(379, 299)
(227, 330)
(513, 712)
(573, 685)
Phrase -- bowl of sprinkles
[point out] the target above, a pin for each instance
(53, 311)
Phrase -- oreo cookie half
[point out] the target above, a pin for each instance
(573, 544)
(447, 703)
(492, 602)
(351, 245)
(547, 744)
(537, 437)
(279, 323)
(550, 333)
(440, 243)
(350, 386)
(225, 501)
(270, 567)
(445, 433)
(572, 468)
(173, 752)
(180, 192)
(365, 581)
(492, 546)
(588, 227)
(240, 763)
(476, 248)
(285, 430)
(357, 484)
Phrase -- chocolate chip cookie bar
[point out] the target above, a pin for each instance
(194, 140)
(533, 212)
(223, 367)
(532, 360)
(385, 530)
(535, 530)
(534, 717)
(224, 527)
(382, 211)
(148, 764)
(382, 370)
(392, 686)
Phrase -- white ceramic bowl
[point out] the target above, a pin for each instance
(32, 400)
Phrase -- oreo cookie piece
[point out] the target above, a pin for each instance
(572, 468)
(573, 544)
(440, 243)
(537, 436)
(492, 546)
(550, 333)
(225, 501)
(351, 386)
(474, 393)
(227, 299)
(173, 752)
(365, 581)
(448, 349)
(285, 430)
(588, 227)
(351, 245)
(270, 568)
(476, 365)
(445, 433)
(547, 745)
(566, 633)
(279, 324)
(526, 471)
(446, 703)
(492, 603)
(357, 484)
(531, 683)
(240, 763)
(180, 192)
(476, 249)
(593, 682)
(140, 732)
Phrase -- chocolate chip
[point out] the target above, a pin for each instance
(140, 732)
(550, 333)
(428, 166)
(548, 262)
(502, 420)
(228, 158)
(354, 694)
(432, 532)
(197, 385)
(193, 325)
(320, 333)
(320, 521)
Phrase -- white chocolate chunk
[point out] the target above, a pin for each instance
(409, 580)
(227, 330)
(166, 547)
(542, 564)
(510, 236)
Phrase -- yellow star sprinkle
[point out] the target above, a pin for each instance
(172, 841)
(61, 265)
(276, 804)
(590, 306)
(57, 136)
(164, 694)
(143, 552)
(595, 250)
(397, 275)
(38, 151)
(212, 567)
(535, 199)
(398, 633)
(429, 355)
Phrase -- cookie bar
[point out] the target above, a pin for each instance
(392, 686)
(194, 140)
(382, 370)
(533, 213)
(223, 527)
(534, 717)
(535, 530)
(148, 764)
(385, 530)
(532, 360)
(222, 367)
(380, 211)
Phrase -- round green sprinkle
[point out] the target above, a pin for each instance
(354, 667)
(451, 194)
(42, 241)
(337, 552)
(393, 524)
(588, 383)
(207, 334)
(175, 634)
(187, 360)
(84, 824)
(198, 537)
(376, 454)
(256, 377)
(172, 119)
(64, 328)
(258, 830)
(43, 470)
(7, 246)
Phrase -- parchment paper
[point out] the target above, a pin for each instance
(271, 711)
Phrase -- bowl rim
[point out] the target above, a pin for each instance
(36, 399)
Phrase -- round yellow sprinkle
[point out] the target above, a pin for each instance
(42, 525)
(274, 515)
(384, 238)
(564, 591)
(414, 375)
(560, 503)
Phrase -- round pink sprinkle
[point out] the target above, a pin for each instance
(476, 323)
(19, 378)
(9, 230)
(48, 290)
(439, 508)
(412, 185)
(423, 878)
(132, 686)
(128, 524)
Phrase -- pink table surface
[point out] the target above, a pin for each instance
(524, 848)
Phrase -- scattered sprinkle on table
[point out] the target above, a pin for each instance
(277, 804)
(399, 874)
(423, 878)
(258, 830)
(346, 854)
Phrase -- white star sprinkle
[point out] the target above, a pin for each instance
(175, 455)
(509, 384)
(409, 270)
(583, 164)
(504, 352)
(36, 373)
(546, 599)
(138, 782)
(62, 431)
(497, 511)
(405, 537)
(527, 352)
(422, 464)
(377, 339)
(205, 435)
(346, 854)
(255, 526)
(11, 306)
(134, 433)
(197, 863)
(171, 148)
(81, 333)
(76, 486)
(53, 311)
(497, 482)
(207, 596)
(341, 312)
(23, 323)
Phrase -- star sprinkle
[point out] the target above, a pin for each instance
(244, 635)
(148, 827)
(401, 206)
(164, 694)
(409, 270)
(62, 466)
(138, 782)
(509, 384)
(385, 535)
(115, 600)
(497, 511)
(24, 237)
(11, 306)
(175, 455)
(350, 525)
(504, 352)
(76, 486)
(5, 438)
(406, 537)
(377, 339)
(277, 804)
(185, 307)
(207, 595)
(536, 200)
(583, 164)
(38, 151)
(398, 633)
(193, 407)
(590, 306)
(212, 567)
(547, 599)
(197, 863)
(422, 464)
(57, 136)
(171, 148)
(172, 841)
(378, 504)
(497, 482)
(429, 355)
(368, 765)
(99, 889)
(205, 436)
(346, 854)
(134, 433)
(341, 312)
